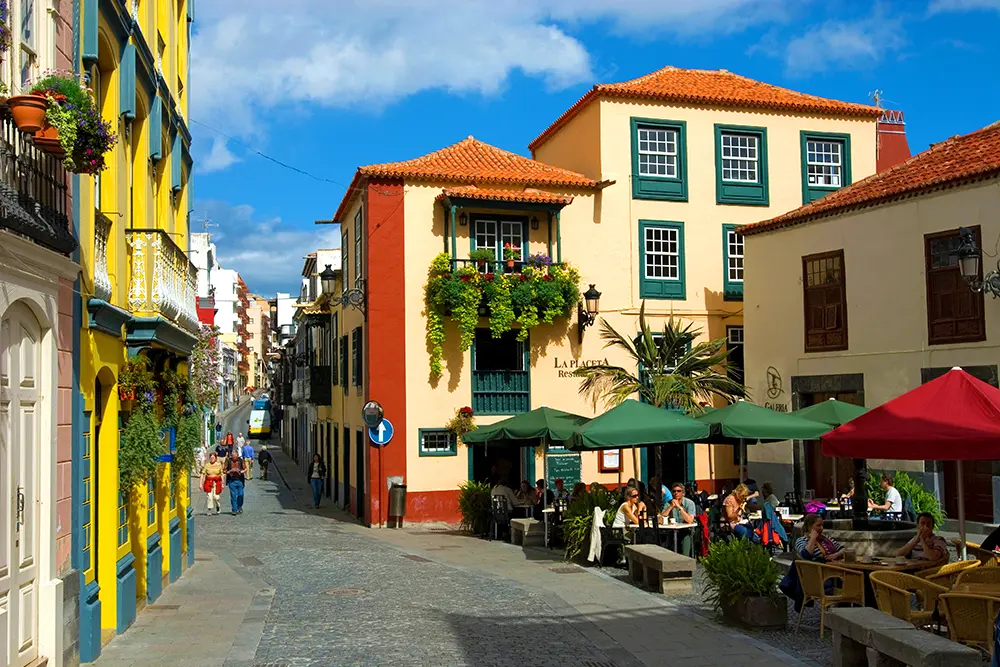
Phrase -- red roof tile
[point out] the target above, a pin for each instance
(528, 195)
(953, 162)
(709, 87)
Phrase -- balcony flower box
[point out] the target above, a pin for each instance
(28, 112)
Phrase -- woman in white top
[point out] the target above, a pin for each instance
(628, 512)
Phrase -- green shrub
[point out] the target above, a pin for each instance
(738, 568)
(186, 443)
(140, 450)
(922, 499)
(579, 518)
(474, 506)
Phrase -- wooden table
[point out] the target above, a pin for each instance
(889, 565)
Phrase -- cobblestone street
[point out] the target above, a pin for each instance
(286, 585)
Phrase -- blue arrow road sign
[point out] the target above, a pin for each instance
(382, 434)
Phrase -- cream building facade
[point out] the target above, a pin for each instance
(859, 296)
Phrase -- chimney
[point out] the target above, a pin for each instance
(892, 147)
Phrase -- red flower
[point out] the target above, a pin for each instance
(466, 410)
(547, 277)
(489, 277)
(466, 279)
(523, 277)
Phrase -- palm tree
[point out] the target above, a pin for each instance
(671, 370)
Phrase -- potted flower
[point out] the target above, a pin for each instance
(482, 256)
(463, 422)
(742, 583)
(135, 380)
(511, 254)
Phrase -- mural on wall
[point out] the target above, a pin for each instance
(775, 391)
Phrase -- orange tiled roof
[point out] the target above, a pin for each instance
(958, 160)
(709, 87)
(528, 195)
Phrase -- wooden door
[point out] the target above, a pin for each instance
(20, 339)
(827, 476)
(977, 482)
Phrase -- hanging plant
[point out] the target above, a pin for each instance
(497, 290)
(463, 422)
(141, 447)
(186, 443)
(175, 389)
(482, 257)
(136, 381)
(203, 369)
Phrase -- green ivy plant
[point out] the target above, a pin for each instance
(482, 255)
(141, 447)
(186, 443)
(65, 121)
(538, 295)
(474, 506)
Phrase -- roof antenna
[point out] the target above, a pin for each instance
(877, 98)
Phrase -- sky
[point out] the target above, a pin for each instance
(289, 98)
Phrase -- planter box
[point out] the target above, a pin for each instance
(758, 613)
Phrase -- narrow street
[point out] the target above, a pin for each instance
(286, 585)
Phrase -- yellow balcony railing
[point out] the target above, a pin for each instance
(163, 281)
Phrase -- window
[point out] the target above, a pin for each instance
(659, 159)
(825, 295)
(496, 233)
(826, 163)
(359, 273)
(334, 366)
(734, 344)
(86, 505)
(122, 520)
(437, 442)
(343, 363)
(345, 258)
(741, 165)
(955, 313)
(732, 254)
(356, 356)
(500, 378)
(661, 260)
(29, 47)
(173, 492)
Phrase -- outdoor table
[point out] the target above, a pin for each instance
(674, 528)
(993, 590)
(888, 564)
(525, 510)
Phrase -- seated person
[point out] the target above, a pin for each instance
(925, 545)
(893, 505)
(628, 511)
(767, 492)
(526, 494)
(733, 507)
(814, 545)
(542, 492)
(680, 509)
(847, 495)
(503, 491)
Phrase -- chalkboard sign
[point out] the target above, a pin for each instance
(566, 466)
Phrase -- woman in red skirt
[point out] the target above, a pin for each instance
(211, 482)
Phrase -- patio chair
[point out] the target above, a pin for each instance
(499, 518)
(970, 619)
(813, 578)
(610, 537)
(979, 575)
(893, 595)
(793, 501)
(945, 575)
(989, 559)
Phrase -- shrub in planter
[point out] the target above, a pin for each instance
(482, 256)
(135, 380)
(742, 583)
(140, 449)
(579, 519)
(474, 506)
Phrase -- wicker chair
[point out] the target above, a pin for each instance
(813, 577)
(970, 618)
(986, 558)
(893, 595)
(945, 575)
(979, 575)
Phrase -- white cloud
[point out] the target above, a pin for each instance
(267, 252)
(940, 6)
(249, 56)
(218, 158)
(844, 45)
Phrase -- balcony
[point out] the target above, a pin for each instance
(494, 266)
(34, 196)
(162, 288)
(500, 392)
(318, 385)
(102, 278)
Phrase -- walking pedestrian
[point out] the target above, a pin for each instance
(264, 460)
(240, 441)
(247, 454)
(235, 478)
(211, 482)
(317, 476)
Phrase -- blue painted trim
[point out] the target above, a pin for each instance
(156, 129)
(175, 162)
(117, 17)
(190, 536)
(106, 318)
(176, 554)
(90, 621)
(89, 26)
(643, 472)
(154, 568)
(126, 71)
(471, 462)
(127, 586)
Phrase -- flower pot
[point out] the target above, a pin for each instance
(481, 265)
(510, 264)
(28, 112)
(126, 394)
(47, 139)
(757, 613)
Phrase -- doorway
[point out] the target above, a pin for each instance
(328, 457)
(827, 476)
(20, 366)
(347, 468)
(359, 461)
(335, 464)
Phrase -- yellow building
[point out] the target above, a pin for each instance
(138, 290)
(641, 187)
(860, 296)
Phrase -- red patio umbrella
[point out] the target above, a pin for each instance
(953, 418)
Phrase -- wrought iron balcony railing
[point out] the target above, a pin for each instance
(103, 288)
(494, 266)
(34, 196)
(163, 280)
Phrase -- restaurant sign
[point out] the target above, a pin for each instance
(565, 367)
(775, 390)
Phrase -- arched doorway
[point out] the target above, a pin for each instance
(20, 377)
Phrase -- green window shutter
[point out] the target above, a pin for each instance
(343, 362)
(356, 356)
(659, 159)
(741, 165)
(89, 23)
(175, 162)
(126, 77)
(156, 128)
(732, 263)
(661, 260)
(334, 355)
(436, 442)
(345, 258)
(829, 156)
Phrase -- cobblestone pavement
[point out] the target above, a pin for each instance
(285, 585)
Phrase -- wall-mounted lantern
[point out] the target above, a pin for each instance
(969, 265)
(463, 219)
(328, 280)
(588, 309)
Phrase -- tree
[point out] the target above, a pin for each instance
(671, 369)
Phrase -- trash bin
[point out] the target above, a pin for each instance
(397, 500)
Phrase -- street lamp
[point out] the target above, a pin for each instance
(328, 280)
(588, 309)
(969, 265)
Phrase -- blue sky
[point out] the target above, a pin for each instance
(327, 85)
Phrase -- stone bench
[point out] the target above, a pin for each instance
(865, 637)
(527, 532)
(661, 570)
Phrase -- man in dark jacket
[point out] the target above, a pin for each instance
(263, 460)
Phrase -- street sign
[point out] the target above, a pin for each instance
(372, 414)
(381, 436)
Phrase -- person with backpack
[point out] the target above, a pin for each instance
(236, 479)
(263, 460)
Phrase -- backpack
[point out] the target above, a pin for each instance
(909, 513)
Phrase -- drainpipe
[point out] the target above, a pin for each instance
(454, 244)
(558, 239)
(550, 235)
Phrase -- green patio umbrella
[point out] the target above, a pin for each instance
(542, 423)
(742, 421)
(635, 424)
(833, 413)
